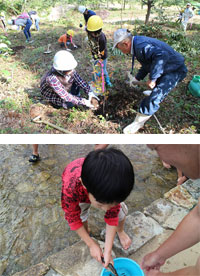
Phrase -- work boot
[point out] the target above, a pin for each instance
(138, 123)
(108, 83)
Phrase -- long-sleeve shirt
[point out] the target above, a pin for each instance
(87, 16)
(51, 83)
(65, 38)
(73, 193)
(98, 46)
(155, 56)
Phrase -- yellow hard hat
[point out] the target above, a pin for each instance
(94, 23)
(70, 32)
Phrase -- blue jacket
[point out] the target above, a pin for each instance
(156, 57)
(89, 13)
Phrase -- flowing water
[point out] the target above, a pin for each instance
(32, 224)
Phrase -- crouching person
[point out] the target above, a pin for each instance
(103, 179)
(61, 85)
(164, 65)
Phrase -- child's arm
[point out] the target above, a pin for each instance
(110, 235)
(95, 249)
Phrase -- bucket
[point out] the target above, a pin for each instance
(124, 267)
(194, 86)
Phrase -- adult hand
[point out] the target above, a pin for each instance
(151, 84)
(96, 252)
(152, 261)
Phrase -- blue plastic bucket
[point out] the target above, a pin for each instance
(124, 267)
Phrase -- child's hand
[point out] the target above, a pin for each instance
(107, 259)
(96, 252)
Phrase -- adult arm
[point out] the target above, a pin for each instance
(80, 82)
(58, 88)
(186, 235)
(186, 271)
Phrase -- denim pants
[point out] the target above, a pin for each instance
(27, 29)
(164, 85)
(37, 21)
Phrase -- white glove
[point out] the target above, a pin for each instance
(88, 104)
(75, 46)
(69, 50)
(132, 80)
(92, 95)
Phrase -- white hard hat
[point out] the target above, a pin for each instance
(10, 22)
(64, 61)
(81, 9)
(188, 4)
(120, 35)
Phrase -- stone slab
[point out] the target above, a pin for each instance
(185, 258)
(52, 272)
(159, 210)
(140, 229)
(193, 187)
(75, 261)
(166, 213)
(181, 197)
(36, 270)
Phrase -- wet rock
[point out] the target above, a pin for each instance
(159, 210)
(36, 270)
(165, 213)
(3, 265)
(180, 197)
(75, 261)
(141, 229)
(193, 187)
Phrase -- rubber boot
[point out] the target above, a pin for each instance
(108, 83)
(138, 123)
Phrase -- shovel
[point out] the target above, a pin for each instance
(48, 51)
(39, 120)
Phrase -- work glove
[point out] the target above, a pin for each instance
(75, 46)
(92, 95)
(132, 80)
(88, 104)
(80, 25)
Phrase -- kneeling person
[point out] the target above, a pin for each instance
(60, 86)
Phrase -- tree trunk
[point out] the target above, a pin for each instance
(149, 6)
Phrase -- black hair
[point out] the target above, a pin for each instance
(108, 175)
(96, 33)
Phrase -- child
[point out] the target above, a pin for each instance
(98, 43)
(66, 39)
(24, 21)
(60, 86)
(104, 179)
